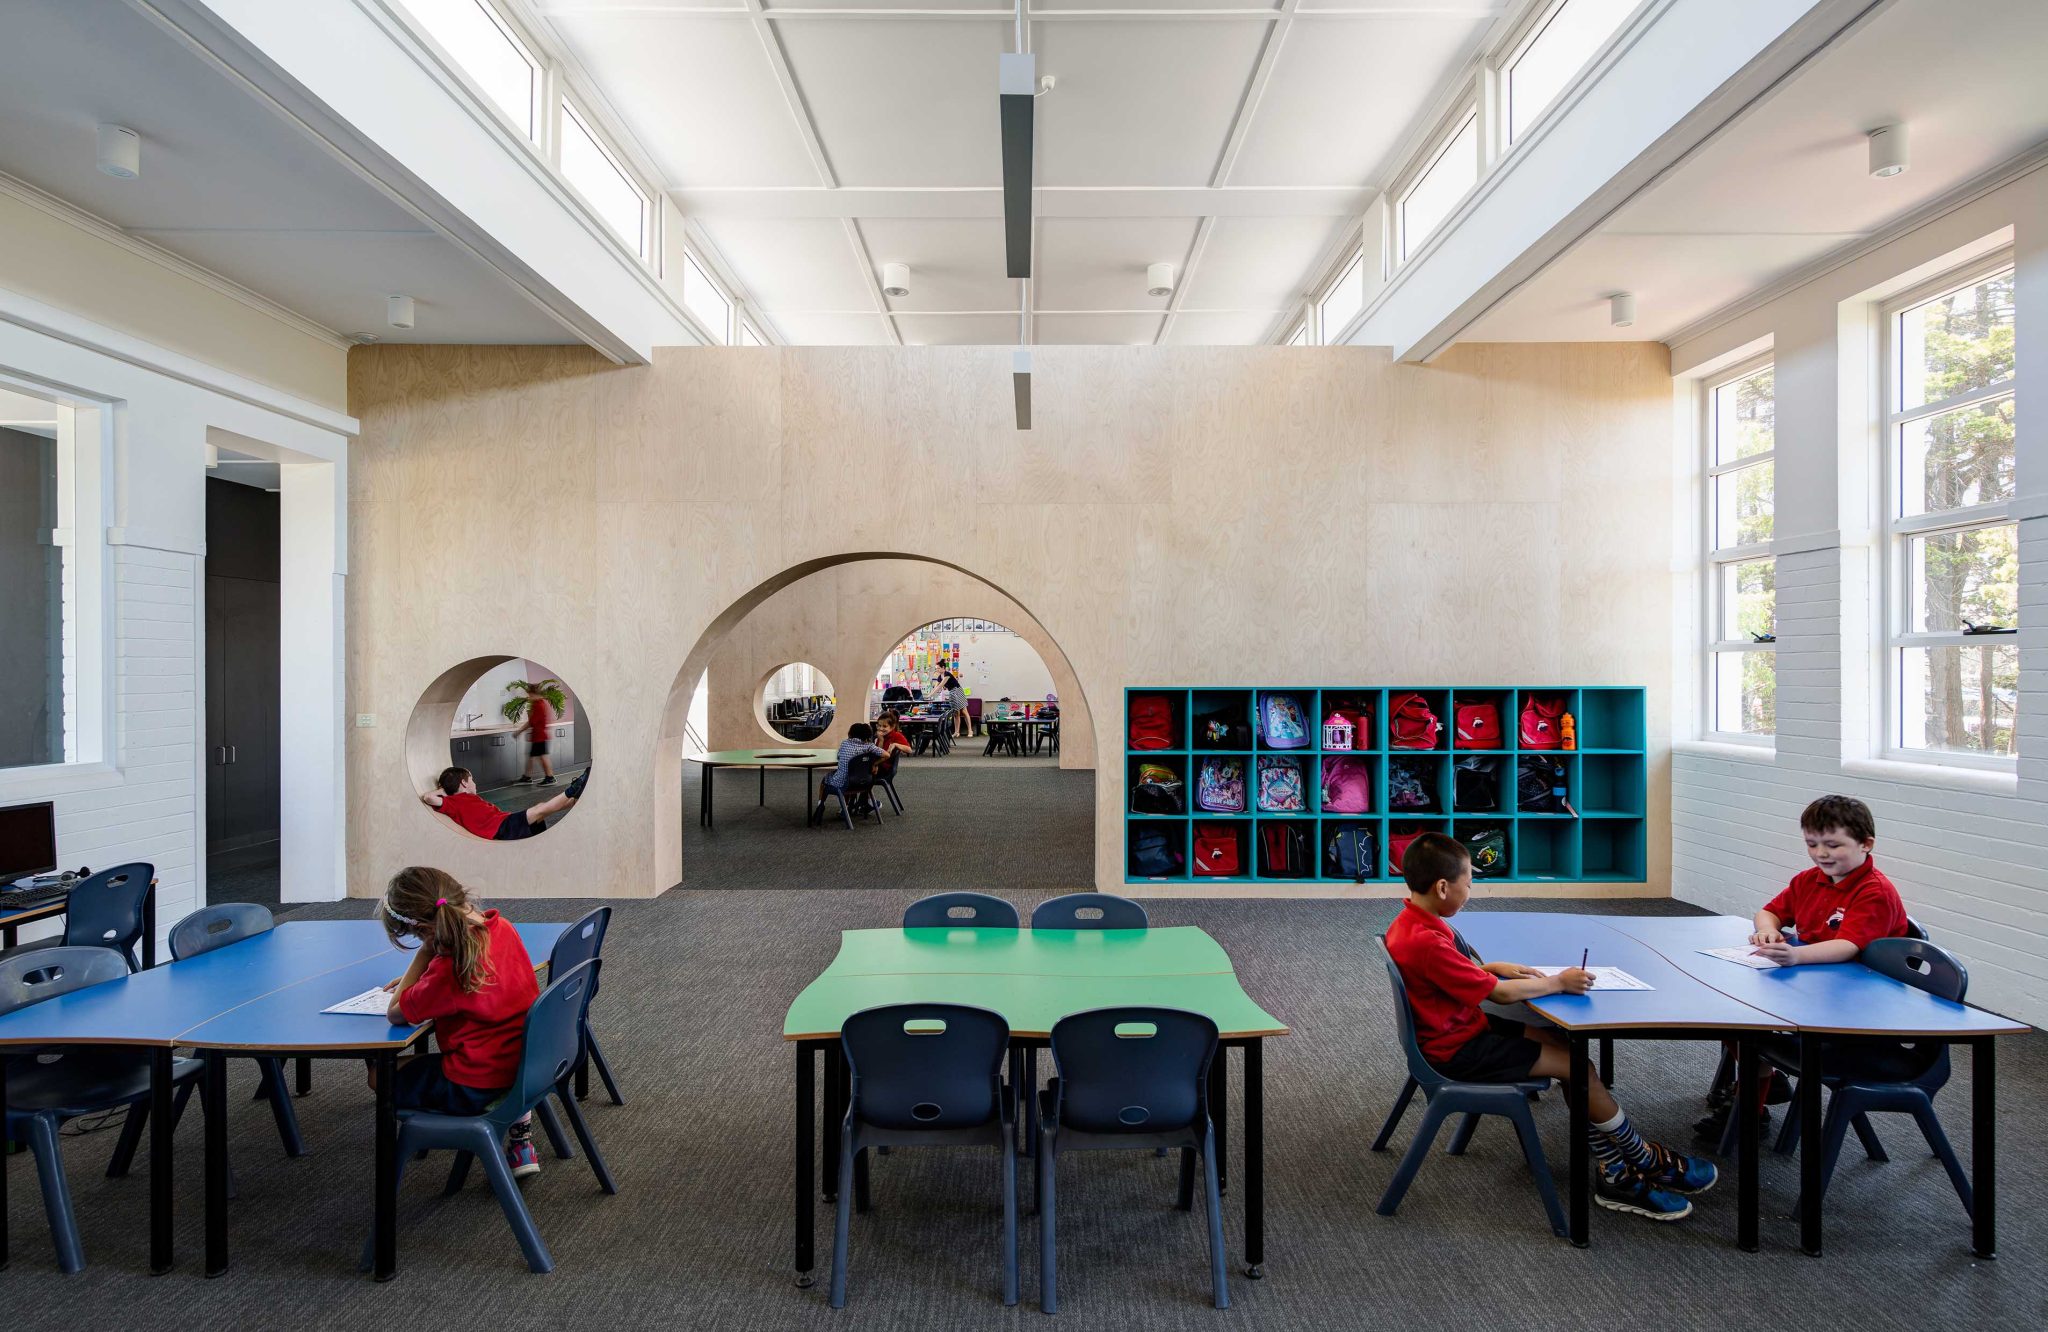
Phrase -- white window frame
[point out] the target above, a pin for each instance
(694, 258)
(1517, 45)
(1440, 143)
(538, 119)
(1321, 333)
(1895, 588)
(1715, 559)
(568, 104)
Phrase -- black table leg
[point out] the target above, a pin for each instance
(213, 1103)
(1747, 1146)
(1809, 1143)
(3, 1169)
(1255, 1158)
(149, 927)
(305, 1076)
(160, 1159)
(7, 933)
(387, 1166)
(1983, 1148)
(762, 799)
(1219, 1114)
(806, 1149)
(828, 1153)
(1581, 1150)
(1607, 1061)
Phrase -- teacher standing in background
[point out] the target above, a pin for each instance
(956, 699)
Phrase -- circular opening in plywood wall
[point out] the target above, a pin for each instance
(499, 748)
(797, 702)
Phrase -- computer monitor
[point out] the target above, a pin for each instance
(28, 841)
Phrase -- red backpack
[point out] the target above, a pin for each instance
(1151, 723)
(1410, 723)
(1216, 852)
(1478, 726)
(1397, 846)
(1540, 723)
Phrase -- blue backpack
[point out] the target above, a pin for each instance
(1282, 722)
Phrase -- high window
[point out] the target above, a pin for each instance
(1551, 56)
(704, 299)
(604, 184)
(489, 52)
(1441, 185)
(1951, 574)
(1342, 302)
(1742, 578)
(43, 600)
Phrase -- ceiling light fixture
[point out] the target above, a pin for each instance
(1020, 384)
(398, 311)
(1621, 309)
(895, 279)
(364, 337)
(120, 152)
(212, 456)
(1887, 150)
(1159, 280)
(1016, 85)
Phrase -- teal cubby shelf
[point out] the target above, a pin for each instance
(1601, 839)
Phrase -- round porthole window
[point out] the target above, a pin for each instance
(499, 748)
(797, 702)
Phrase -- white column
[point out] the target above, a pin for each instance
(312, 690)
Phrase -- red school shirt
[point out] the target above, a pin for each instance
(1445, 987)
(539, 716)
(474, 813)
(895, 738)
(480, 1034)
(1862, 907)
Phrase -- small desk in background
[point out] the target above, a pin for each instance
(807, 761)
(11, 920)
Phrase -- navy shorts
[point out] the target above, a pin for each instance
(516, 826)
(423, 1086)
(1501, 1053)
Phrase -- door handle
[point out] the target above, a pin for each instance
(220, 754)
(231, 753)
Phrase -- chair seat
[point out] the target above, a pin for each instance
(82, 1080)
(33, 945)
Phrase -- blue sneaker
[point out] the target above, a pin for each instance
(1622, 1188)
(1680, 1174)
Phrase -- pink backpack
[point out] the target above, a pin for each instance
(1347, 785)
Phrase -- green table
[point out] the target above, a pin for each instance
(806, 761)
(1032, 978)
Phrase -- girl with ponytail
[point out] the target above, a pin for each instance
(471, 977)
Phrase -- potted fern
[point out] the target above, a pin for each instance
(522, 691)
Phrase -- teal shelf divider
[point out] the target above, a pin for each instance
(1602, 840)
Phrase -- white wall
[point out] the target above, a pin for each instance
(994, 666)
(1968, 850)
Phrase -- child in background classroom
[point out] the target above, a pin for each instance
(471, 977)
(860, 739)
(889, 738)
(1445, 988)
(1843, 903)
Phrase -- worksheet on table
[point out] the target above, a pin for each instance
(1605, 978)
(370, 1003)
(1742, 957)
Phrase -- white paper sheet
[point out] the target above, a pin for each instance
(1605, 978)
(370, 1003)
(1744, 956)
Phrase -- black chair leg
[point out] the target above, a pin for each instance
(282, 1109)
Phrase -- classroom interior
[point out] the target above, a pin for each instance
(784, 465)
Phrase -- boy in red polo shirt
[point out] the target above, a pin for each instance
(457, 798)
(1445, 988)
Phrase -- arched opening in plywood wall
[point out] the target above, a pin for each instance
(844, 615)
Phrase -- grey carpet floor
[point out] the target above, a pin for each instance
(699, 1234)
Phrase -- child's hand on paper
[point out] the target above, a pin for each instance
(1771, 936)
(1574, 980)
(1778, 951)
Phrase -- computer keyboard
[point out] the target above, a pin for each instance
(21, 899)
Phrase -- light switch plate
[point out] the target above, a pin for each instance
(365, 720)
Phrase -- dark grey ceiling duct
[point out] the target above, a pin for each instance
(1018, 85)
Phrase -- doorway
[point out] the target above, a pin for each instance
(242, 685)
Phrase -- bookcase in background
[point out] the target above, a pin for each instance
(1602, 839)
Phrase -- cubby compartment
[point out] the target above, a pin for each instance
(1546, 849)
(1545, 785)
(1284, 784)
(1285, 720)
(1407, 732)
(1400, 832)
(1611, 720)
(1611, 785)
(1220, 720)
(1348, 783)
(1155, 720)
(1223, 781)
(1491, 843)
(1611, 849)
(1482, 784)
(1156, 849)
(1156, 784)
(1543, 731)
(1412, 777)
(1482, 720)
(1285, 848)
(1221, 849)
(1367, 841)
(1362, 708)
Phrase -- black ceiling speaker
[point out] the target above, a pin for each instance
(1018, 85)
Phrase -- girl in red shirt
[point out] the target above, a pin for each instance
(471, 977)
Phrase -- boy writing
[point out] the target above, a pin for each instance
(1445, 988)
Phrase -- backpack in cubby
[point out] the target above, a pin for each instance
(1477, 785)
(1489, 851)
(1478, 726)
(1219, 785)
(1540, 787)
(1282, 723)
(1158, 791)
(1350, 853)
(1347, 785)
(1224, 728)
(1408, 786)
(1281, 788)
(1283, 851)
(1216, 852)
(1151, 722)
(1411, 722)
(1542, 726)
(1397, 846)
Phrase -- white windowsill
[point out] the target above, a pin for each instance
(1726, 749)
(1934, 774)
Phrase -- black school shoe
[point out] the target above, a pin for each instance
(575, 789)
(1710, 1128)
(1622, 1188)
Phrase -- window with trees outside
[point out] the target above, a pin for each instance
(1951, 584)
(1742, 577)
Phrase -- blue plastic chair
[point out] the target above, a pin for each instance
(1124, 1079)
(552, 1042)
(579, 943)
(54, 1085)
(1924, 966)
(1443, 1098)
(960, 911)
(104, 911)
(860, 781)
(1089, 911)
(1470, 1125)
(925, 1075)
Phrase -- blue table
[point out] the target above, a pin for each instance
(263, 994)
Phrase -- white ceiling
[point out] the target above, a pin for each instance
(229, 185)
(809, 148)
(1790, 182)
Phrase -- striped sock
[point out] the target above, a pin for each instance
(1628, 1144)
(1606, 1151)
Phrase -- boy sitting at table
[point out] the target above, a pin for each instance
(1445, 988)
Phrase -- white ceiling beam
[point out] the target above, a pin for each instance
(1255, 91)
(799, 110)
(1052, 201)
(866, 260)
(1180, 282)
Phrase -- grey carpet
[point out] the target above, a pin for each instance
(699, 1236)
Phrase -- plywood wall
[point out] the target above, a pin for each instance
(1178, 516)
